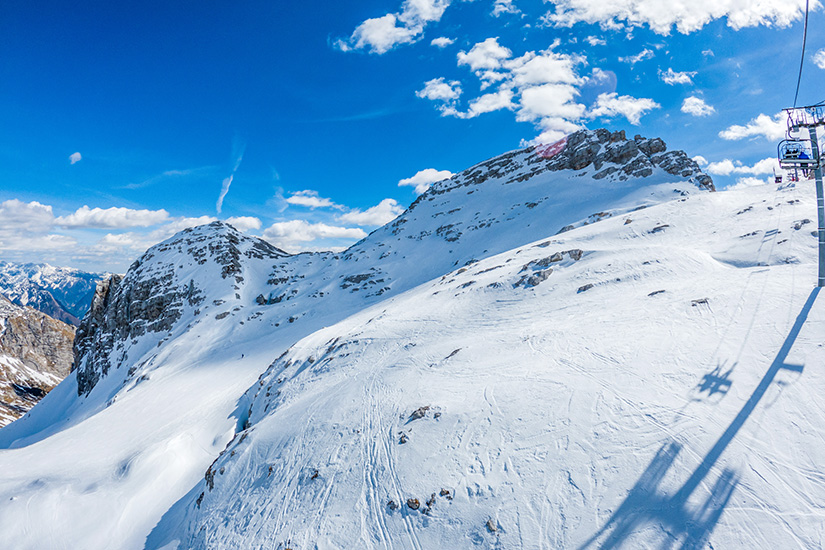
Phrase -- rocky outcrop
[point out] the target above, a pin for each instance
(611, 156)
(154, 293)
(35, 355)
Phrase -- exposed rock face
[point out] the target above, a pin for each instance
(610, 154)
(35, 355)
(151, 297)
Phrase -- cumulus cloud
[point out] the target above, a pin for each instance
(109, 218)
(772, 128)
(75, 158)
(486, 55)
(439, 90)
(595, 41)
(292, 235)
(819, 59)
(26, 226)
(380, 214)
(700, 160)
(177, 225)
(727, 167)
(501, 7)
(244, 223)
(641, 56)
(632, 108)
(381, 34)
(673, 77)
(662, 15)
(542, 87)
(696, 106)
(441, 42)
(310, 199)
(487, 103)
(424, 178)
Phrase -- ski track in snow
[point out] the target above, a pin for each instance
(617, 416)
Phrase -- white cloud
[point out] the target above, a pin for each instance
(819, 59)
(727, 167)
(741, 183)
(547, 68)
(310, 199)
(598, 76)
(244, 223)
(487, 103)
(696, 106)
(25, 227)
(641, 56)
(700, 160)
(424, 178)
(541, 87)
(772, 128)
(504, 6)
(380, 214)
(708, 53)
(487, 55)
(115, 217)
(292, 235)
(176, 225)
(673, 77)
(662, 15)
(595, 41)
(442, 42)
(611, 105)
(74, 158)
(439, 90)
(381, 34)
(550, 101)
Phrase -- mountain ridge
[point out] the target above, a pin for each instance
(530, 348)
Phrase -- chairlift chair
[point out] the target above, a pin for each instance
(797, 153)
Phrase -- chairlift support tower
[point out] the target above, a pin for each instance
(803, 153)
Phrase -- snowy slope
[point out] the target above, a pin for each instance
(674, 403)
(551, 402)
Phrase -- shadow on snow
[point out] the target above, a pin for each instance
(646, 504)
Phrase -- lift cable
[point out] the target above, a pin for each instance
(802, 60)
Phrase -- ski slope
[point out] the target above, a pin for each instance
(607, 418)
(646, 378)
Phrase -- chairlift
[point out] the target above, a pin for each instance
(797, 153)
(777, 178)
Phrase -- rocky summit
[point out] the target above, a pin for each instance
(573, 345)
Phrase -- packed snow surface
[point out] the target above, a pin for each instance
(648, 379)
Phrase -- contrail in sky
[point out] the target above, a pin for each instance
(238, 148)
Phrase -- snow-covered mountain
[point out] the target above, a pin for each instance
(570, 346)
(60, 292)
(35, 355)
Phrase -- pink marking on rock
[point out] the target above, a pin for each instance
(550, 151)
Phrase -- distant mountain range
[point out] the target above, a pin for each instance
(60, 292)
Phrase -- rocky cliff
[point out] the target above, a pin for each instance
(35, 355)
(152, 296)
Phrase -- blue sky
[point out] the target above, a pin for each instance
(121, 123)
